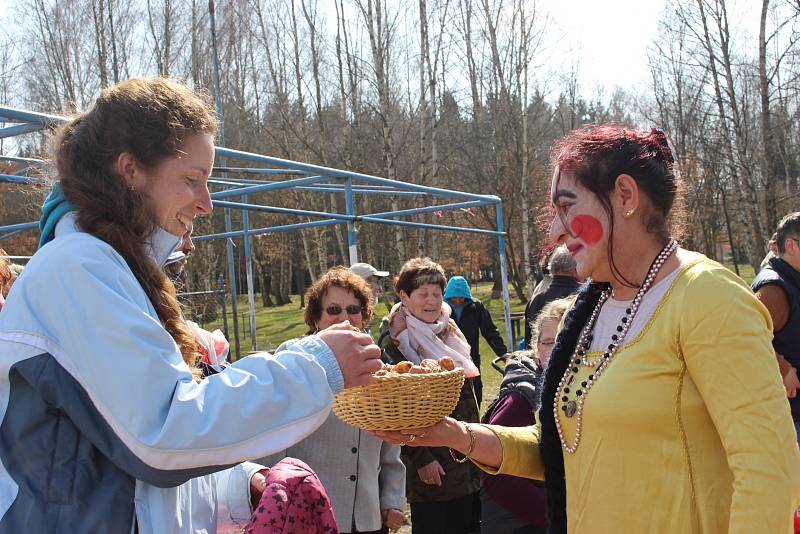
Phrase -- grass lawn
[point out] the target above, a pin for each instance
(277, 324)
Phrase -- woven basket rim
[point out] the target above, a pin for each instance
(380, 404)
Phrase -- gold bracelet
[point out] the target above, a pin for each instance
(471, 445)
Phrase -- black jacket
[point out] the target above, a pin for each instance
(460, 479)
(786, 341)
(475, 320)
(558, 288)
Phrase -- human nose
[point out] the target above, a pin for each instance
(204, 201)
(557, 233)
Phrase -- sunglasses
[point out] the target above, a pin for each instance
(352, 309)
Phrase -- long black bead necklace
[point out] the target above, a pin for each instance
(574, 407)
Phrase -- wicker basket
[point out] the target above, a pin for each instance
(400, 401)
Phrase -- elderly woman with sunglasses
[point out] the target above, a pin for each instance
(363, 475)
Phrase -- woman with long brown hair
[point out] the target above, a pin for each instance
(102, 408)
(662, 407)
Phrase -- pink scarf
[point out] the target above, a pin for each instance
(418, 340)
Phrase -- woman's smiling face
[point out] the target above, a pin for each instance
(582, 224)
(178, 187)
(424, 303)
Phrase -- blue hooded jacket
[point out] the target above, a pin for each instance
(457, 287)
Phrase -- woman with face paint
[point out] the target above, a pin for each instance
(662, 408)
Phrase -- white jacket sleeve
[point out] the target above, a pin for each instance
(233, 495)
(122, 379)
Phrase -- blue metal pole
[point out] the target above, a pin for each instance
(19, 129)
(352, 245)
(501, 249)
(256, 170)
(331, 172)
(259, 231)
(228, 221)
(13, 178)
(285, 211)
(20, 115)
(20, 226)
(430, 209)
(287, 184)
(322, 188)
(20, 160)
(411, 224)
(249, 266)
(224, 309)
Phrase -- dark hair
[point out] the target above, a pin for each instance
(596, 155)
(788, 227)
(417, 272)
(562, 262)
(150, 119)
(337, 277)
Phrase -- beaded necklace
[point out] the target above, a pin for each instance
(574, 407)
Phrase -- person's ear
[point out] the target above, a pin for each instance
(131, 171)
(626, 195)
(404, 298)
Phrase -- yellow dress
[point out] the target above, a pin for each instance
(688, 430)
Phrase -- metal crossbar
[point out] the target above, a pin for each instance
(304, 177)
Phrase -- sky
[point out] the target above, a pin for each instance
(607, 38)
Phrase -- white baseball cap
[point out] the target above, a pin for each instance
(365, 270)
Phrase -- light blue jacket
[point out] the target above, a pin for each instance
(100, 420)
(362, 474)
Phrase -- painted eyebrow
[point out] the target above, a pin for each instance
(563, 193)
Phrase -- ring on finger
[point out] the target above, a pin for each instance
(402, 443)
(411, 438)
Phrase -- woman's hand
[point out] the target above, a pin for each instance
(479, 442)
(258, 483)
(446, 433)
(791, 383)
(392, 518)
(397, 323)
(357, 354)
(431, 474)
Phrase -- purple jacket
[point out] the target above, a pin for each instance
(521, 496)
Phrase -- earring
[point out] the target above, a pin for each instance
(628, 214)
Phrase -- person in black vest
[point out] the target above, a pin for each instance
(561, 282)
(777, 286)
(472, 318)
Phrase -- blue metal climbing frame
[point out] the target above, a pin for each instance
(298, 176)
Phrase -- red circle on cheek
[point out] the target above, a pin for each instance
(586, 227)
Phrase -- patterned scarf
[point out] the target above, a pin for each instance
(418, 340)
